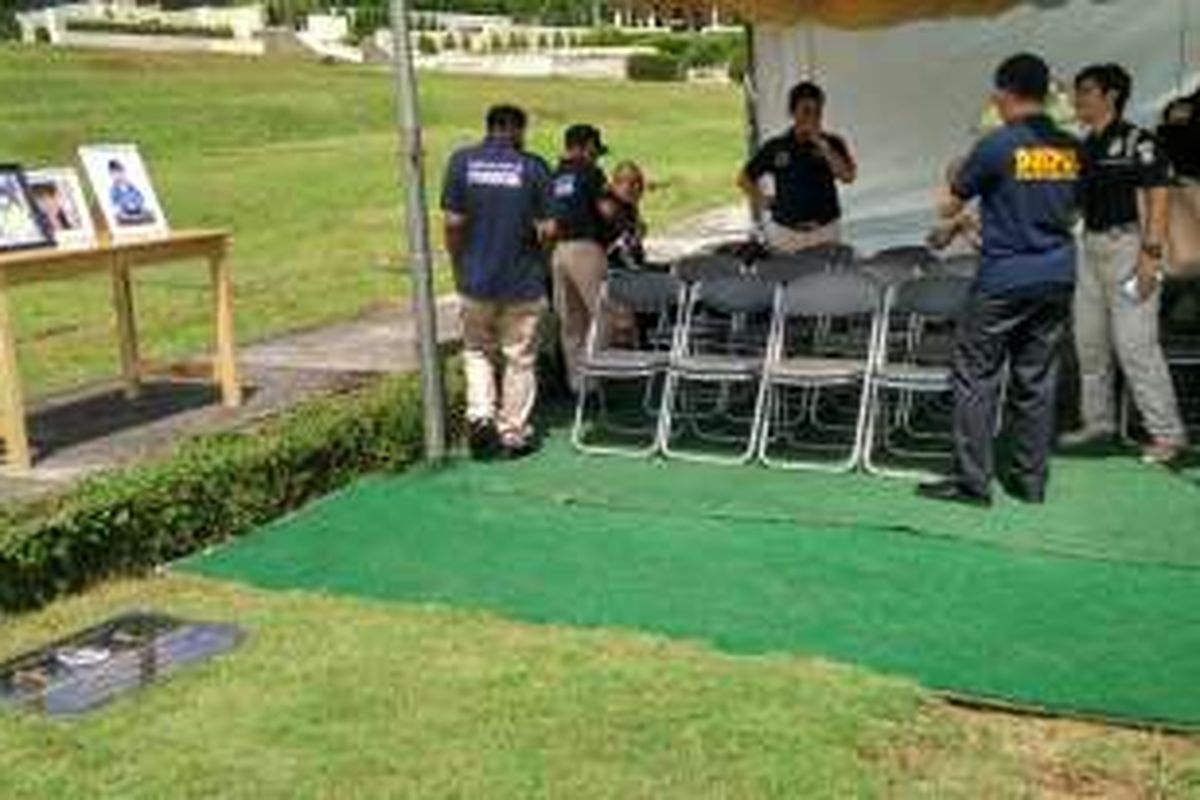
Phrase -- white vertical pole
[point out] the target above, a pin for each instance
(411, 157)
(750, 85)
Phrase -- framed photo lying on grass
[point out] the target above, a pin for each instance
(58, 196)
(21, 225)
(122, 185)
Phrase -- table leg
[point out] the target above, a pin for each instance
(126, 329)
(225, 363)
(12, 401)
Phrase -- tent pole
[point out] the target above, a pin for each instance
(750, 100)
(810, 51)
(410, 157)
(1184, 23)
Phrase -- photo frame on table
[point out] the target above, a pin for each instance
(58, 195)
(122, 185)
(22, 227)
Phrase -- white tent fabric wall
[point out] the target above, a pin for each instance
(909, 97)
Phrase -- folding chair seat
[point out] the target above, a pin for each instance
(844, 295)
(895, 265)
(726, 355)
(708, 266)
(919, 370)
(961, 266)
(785, 268)
(652, 294)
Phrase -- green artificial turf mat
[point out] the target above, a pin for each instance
(1090, 605)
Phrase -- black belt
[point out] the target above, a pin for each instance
(805, 227)
(1115, 230)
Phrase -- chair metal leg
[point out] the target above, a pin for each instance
(846, 465)
(667, 427)
(872, 440)
(577, 429)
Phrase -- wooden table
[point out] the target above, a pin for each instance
(119, 260)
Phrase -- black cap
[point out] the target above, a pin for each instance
(1025, 75)
(583, 135)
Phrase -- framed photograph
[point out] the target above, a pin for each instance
(122, 185)
(58, 196)
(21, 225)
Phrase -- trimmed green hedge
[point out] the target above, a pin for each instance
(210, 489)
(654, 67)
(148, 28)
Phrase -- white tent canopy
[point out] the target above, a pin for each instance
(909, 97)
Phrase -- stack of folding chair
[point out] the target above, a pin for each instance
(716, 362)
(798, 360)
(912, 364)
(656, 298)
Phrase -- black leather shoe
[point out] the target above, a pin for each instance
(483, 440)
(513, 451)
(1019, 491)
(953, 492)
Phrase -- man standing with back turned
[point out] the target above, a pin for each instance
(1025, 175)
(495, 213)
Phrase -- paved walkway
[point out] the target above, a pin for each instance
(96, 428)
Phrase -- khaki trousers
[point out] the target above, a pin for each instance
(580, 268)
(788, 240)
(1107, 320)
(501, 336)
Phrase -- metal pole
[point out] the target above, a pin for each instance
(411, 157)
(750, 101)
(1184, 43)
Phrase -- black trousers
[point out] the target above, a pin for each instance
(1023, 332)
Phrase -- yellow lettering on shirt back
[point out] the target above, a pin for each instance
(1035, 164)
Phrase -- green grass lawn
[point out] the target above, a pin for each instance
(298, 160)
(333, 697)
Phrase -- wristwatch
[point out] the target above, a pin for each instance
(1153, 250)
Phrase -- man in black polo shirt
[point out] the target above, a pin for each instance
(580, 262)
(805, 165)
(1025, 175)
(1124, 194)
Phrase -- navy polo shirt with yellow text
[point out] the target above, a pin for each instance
(1025, 176)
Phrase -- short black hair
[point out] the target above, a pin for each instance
(1110, 78)
(805, 90)
(582, 135)
(506, 117)
(1026, 76)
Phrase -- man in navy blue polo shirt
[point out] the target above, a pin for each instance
(1025, 175)
(494, 199)
(579, 263)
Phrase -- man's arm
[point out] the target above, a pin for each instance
(753, 192)
(455, 222)
(837, 154)
(545, 224)
(748, 178)
(1155, 199)
(975, 176)
(454, 229)
(1156, 215)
